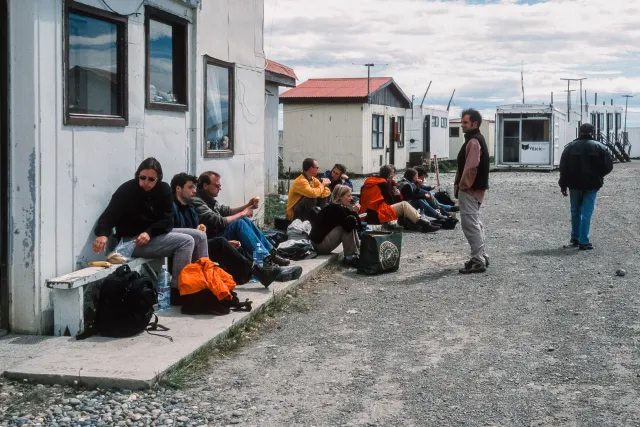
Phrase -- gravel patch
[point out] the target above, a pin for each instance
(547, 337)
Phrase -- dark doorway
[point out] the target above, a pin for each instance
(4, 164)
(392, 140)
(426, 135)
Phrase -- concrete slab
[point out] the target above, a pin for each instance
(136, 362)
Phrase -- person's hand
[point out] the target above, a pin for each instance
(100, 244)
(427, 196)
(564, 192)
(202, 228)
(248, 212)
(344, 177)
(142, 239)
(326, 182)
(396, 192)
(356, 207)
(254, 202)
(235, 243)
(419, 182)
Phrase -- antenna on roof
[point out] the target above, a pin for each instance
(450, 99)
(425, 94)
(522, 79)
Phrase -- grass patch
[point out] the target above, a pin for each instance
(189, 371)
(273, 207)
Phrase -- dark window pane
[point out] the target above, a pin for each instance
(93, 66)
(217, 111)
(535, 130)
(161, 62)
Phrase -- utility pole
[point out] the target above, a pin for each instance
(522, 80)
(569, 95)
(626, 105)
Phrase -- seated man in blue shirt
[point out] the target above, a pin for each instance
(338, 175)
(416, 196)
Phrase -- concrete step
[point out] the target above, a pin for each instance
(137, 362)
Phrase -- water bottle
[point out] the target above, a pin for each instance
(164, 290)
(259, 254)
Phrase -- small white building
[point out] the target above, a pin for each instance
(456, 136)
(531, 136)
(634, 139)
(276, 76)
(335, 121)
(427, 133)
(88, 89)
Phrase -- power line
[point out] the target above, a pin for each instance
(569, 96)
(626, 105)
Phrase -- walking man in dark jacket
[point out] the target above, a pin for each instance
(472, 180)
(583, 166)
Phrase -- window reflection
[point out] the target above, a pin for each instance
(161, 62)
(217, 111)
(93, 66)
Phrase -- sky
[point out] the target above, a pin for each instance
(479, 48)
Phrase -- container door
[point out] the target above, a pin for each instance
(511, 141)
(536, 141)
(556, 140)
(426, 137)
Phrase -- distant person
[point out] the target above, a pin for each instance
(227, 222)
(583, 166)
(417, 197)
(142, 209)
(472, 180)
(429, 189)
(307, 192)
(338, 176)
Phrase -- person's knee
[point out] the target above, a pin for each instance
(200, 238)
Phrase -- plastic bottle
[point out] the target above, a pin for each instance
(259, 254)
(164, 290)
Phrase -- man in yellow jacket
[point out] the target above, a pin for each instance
(307, 192)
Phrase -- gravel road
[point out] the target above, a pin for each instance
(547, 337)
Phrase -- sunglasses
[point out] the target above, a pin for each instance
(146, 178)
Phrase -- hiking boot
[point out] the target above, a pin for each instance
(278, 260)
(267, 274)
(486, 260)
(454, 209)
(289, 273)
(472, 267)
(427, 227)
(586, 247)
(573, 243)
(350, 260)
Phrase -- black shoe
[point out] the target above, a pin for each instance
(289, 273)
(267, 274)
(586, 247)
(472, 267)
(573, 243)
(454, 209)
(486, 260)
(426, 226)
(278, 260)
(350, 260)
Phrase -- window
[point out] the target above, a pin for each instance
(377, 132)
(435, 122)
(454, 132)
(401, 131)
(443, 122)
(618, 120)
(219, 107)
(166, 56)
(95, 44)
(535, 131)
(609, 121)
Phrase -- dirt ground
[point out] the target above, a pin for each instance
(547, 337)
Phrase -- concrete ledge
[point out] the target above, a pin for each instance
(138, 362)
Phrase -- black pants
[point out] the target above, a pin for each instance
(230, 259)
(303, 209)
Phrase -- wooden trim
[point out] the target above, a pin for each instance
(232, 101)
(180, 64)
(121, 22)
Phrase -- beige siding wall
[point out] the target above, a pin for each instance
(330, 133)
(372, 158)
(487, 129)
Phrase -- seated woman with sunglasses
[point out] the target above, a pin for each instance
(142, 209)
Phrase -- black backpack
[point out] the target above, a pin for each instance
(125, 304)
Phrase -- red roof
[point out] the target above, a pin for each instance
(276, 68)
(335, 88)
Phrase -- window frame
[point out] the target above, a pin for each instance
(401, 131)
(444, 122)
(208, 60)
(457, 129)
(180, 62)
(435, 121)
(121, 22)
(378, 132)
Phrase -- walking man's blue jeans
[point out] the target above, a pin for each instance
(583, 203)
(246, 232)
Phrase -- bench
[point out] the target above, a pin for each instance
(72, 304)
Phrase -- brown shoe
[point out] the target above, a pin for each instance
(278, 260)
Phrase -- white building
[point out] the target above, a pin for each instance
(634, 139)
(456, 136)
(276, 75)
(427, 130)
(334, 121)
(87, 94)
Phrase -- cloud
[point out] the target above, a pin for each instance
(477, 48)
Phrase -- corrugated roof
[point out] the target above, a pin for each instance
(277, 68)
(336, 88)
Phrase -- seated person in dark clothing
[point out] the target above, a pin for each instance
(221, 250)
(336, 223)
(428, 189)
(338, 176)
(307, 192)
(142, 208)
(376, 196)
(416, 196)
(230, 223)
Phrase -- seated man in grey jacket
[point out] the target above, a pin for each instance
(230, 223)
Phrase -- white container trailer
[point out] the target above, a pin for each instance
(531, 136)
(427, 130)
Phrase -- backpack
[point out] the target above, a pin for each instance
(125, 305)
